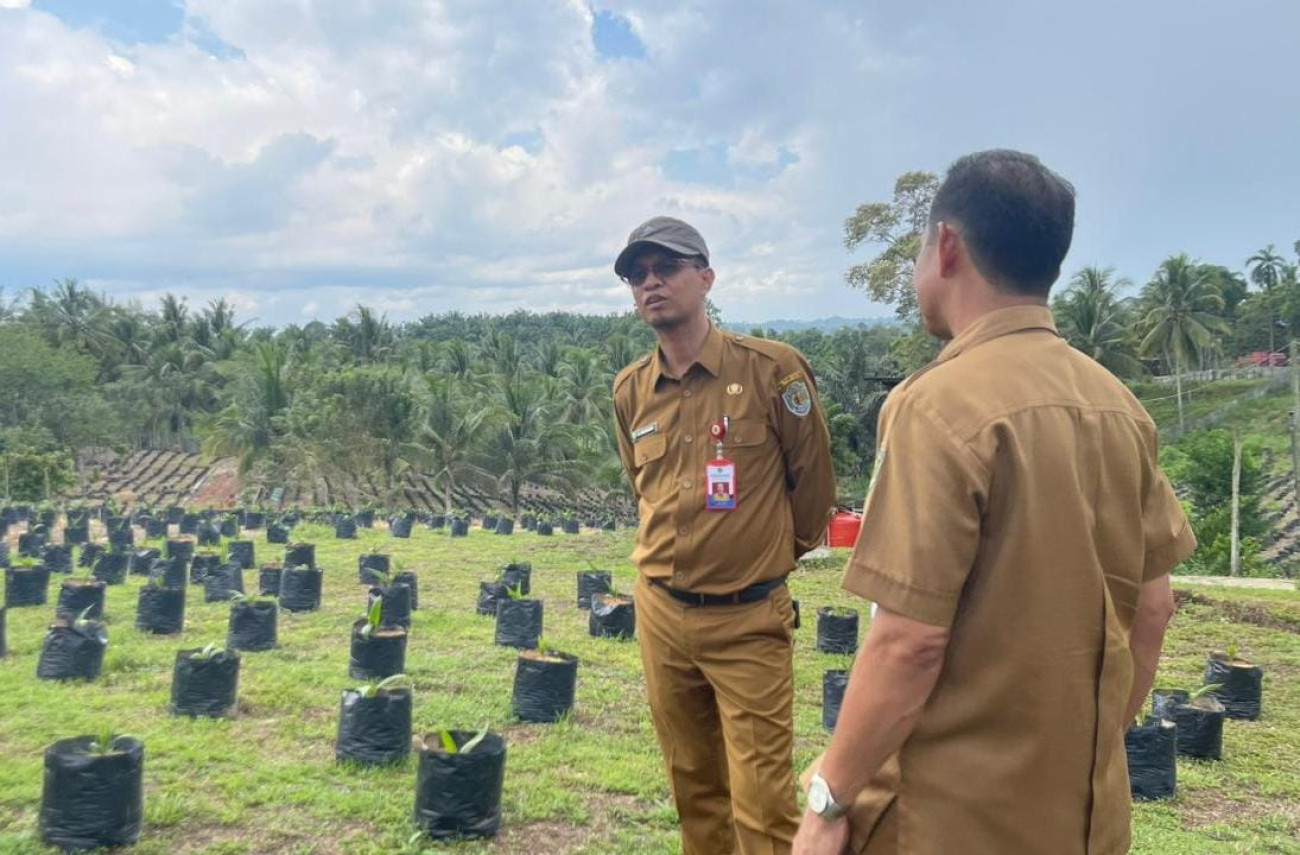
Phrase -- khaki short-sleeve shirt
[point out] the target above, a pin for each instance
(1017, 500)
(778, 441)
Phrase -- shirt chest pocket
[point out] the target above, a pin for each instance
(648, 455)
(745, 437)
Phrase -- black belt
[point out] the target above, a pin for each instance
(753, 594)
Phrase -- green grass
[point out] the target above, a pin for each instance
(1200, 398)
(266, 781)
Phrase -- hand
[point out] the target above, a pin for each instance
(818, 836)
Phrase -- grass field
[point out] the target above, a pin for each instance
(266, 781)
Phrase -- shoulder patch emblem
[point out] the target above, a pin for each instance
(797, 398)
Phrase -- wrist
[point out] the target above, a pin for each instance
(822, 800)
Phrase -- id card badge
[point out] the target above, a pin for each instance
(720, 484)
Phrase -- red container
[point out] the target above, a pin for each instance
(844, 528)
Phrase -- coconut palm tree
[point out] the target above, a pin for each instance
(1267, 270)
(450, 436)
(1181, 318)
(1092, 319)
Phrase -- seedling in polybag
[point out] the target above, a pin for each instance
(105, 742)
(448, 742)
(373, 617)
(1204, 690)
(211, 651)
(83, 620)
(370, 690)
(515, 592)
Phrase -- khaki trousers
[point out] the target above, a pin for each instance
(721, 685)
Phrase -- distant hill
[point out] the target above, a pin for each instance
(824, 324)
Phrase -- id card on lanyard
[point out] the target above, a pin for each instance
(720, 474)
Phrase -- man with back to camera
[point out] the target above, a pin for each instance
(1017, 540)
(729, 456)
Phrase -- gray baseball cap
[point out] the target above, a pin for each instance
(663, 233)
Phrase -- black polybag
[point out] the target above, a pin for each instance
(489, 595)
(205, 686)
(92, 800)
(611, 617)
(1163, 701)
(182, 549)
(170, 571)
(73, 652)
(1151, 748)
(544, 690)
(203, 563)
(519, 623)
(57, 557)
(518, 576)
(76, 598)
(374, 731)
(372, 567)
(252, 626)
(241, 551)
(1242, 687)
(381, 655)
(110, 567)
(300, 589)
(459, 795)
(89, 554)
(592, 582)
(837, 633)
(142, 561)
(160, 610)
(345, 529)
(834, 682)
(399, 527)
(396, 610)
(410, 580)
(223, 583)
(299, 554)
(1200, 730)
(277, 533)
(26, 586)
(268, 580)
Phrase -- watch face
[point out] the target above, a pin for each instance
(818, 797)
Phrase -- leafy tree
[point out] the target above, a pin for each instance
(899, 226)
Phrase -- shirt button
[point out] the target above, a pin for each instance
(683, 530)
(686, 484)
(688, 438)
(687, 393)
(679, 575)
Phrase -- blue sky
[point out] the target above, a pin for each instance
(297, 157)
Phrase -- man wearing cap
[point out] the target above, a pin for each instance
(728, 453)
(1017, 539)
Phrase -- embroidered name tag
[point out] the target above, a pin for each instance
(645, 430)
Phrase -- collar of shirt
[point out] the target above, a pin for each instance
(996, 324)
(709, 358)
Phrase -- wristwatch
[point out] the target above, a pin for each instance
(822, 801)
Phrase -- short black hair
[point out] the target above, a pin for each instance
(1015, 214)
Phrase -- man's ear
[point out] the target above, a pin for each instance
(951, 249)
(707, 275)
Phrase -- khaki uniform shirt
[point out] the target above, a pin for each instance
(777, 438)
(1017, 500)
